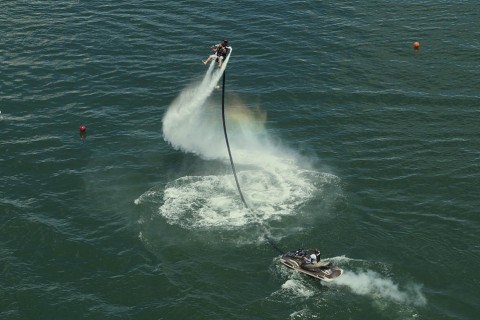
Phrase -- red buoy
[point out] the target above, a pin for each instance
(83, 128)
(416, 45)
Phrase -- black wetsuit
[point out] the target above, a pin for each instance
(227, 50)
(221, 52)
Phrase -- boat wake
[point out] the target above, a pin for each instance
(371, 283)
(367, 282)
(387, 296)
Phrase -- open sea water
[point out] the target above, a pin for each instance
(344, 138)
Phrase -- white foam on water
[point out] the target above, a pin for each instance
(370, 283)
(296, 288)
(301, 314)
(203, 202)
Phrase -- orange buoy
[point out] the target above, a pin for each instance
(416, 45)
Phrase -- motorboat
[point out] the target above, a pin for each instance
(298, 260)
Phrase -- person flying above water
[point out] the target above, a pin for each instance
(220, 53)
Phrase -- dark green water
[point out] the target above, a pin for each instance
(345, 138)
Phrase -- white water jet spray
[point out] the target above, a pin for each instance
(187, 125)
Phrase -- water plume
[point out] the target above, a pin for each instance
(273, 181)
(189, 125)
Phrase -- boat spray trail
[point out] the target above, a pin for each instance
(371, 283)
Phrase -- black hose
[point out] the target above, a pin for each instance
(274, 245)
(269, 240)
(226, 140)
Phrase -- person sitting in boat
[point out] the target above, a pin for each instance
(307, 259)
(310, 260)
(315, 255)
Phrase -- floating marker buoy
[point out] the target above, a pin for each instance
(83, 132)
(217, 87)
(416, 45)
